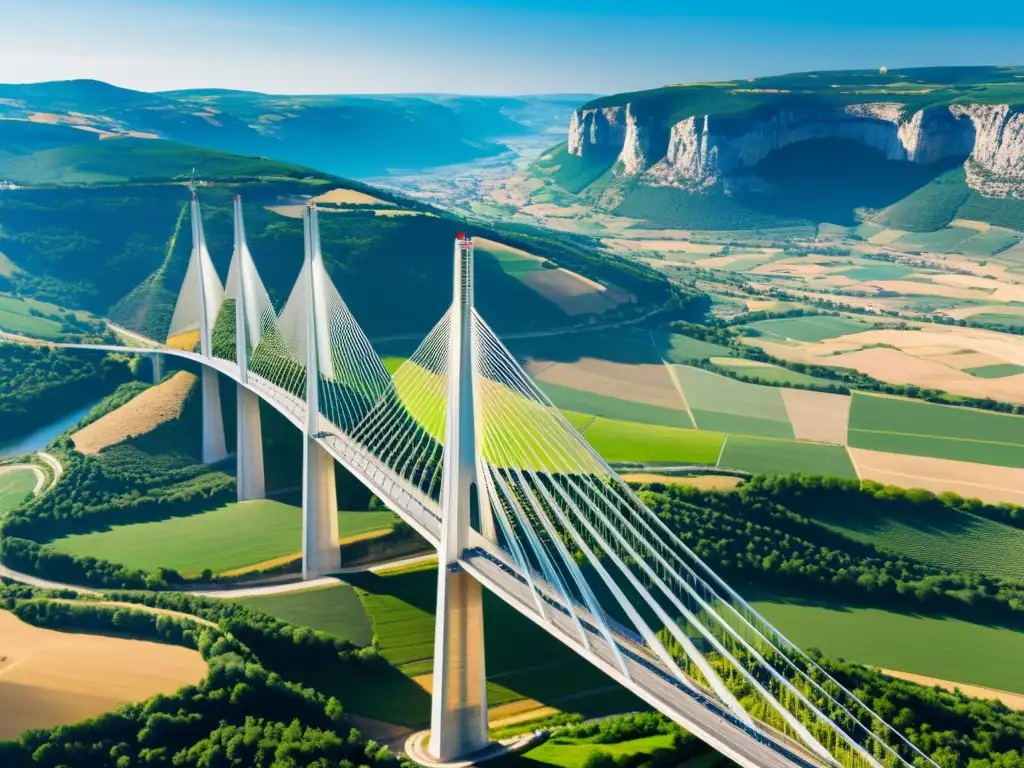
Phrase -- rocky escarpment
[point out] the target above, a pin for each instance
(709, 151)
(996, 165)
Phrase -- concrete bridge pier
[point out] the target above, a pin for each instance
(320, 551)
(214, 447)
(158, 368)
(249, 447)
(458, 717)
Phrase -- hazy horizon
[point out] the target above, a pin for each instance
(486, 47)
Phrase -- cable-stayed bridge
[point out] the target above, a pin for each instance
(462, 445)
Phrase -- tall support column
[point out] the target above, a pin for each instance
(458, 718)
(320, 552)
(214, 447)
(249, 474)
(158, 368)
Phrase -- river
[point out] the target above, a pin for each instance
(39, 438)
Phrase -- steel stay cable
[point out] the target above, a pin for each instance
(728, 628)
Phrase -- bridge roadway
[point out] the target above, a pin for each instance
(684, 701)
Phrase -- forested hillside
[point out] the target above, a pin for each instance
(119, 248)
(38, 383)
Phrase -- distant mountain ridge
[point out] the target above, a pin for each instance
(356, 136)
(713, 138)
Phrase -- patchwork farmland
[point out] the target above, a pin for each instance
(633, 411)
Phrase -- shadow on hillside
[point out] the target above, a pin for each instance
(631, 346)
(830, 179)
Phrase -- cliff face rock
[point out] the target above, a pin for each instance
(706, 151)
(595, 131)
(996, 165)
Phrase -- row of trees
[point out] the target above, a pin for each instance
(243, 714)
(763, 535)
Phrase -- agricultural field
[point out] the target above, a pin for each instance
(722, 404)
(573, 293)
(50, 678)
(229, 538)
(334, 609)
(970, 480)
(897, 425)
(677, 348)
(997, 371)
(772, 455)
(603, 406)
(949, 649)
(15, 486)
(574, 753)
(15, 317)
(942, 240)
(945, 538)
(930, 356)
(401, 606)
(139, 416)
(810, 328)
(624, 441)
(768, 373)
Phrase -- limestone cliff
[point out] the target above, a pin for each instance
(708, 151)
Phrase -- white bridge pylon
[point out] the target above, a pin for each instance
(461, 444)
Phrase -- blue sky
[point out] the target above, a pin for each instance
(488, 46)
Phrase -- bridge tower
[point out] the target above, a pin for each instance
(320, 553)
(458, 720)
(249, 442)
(158, 368)
(210, 293)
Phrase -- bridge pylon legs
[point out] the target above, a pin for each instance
(158, 368)
(249, 447)
(214, 447)
(320, 552)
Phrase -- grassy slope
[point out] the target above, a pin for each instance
(112, 248)
(14, 487)
(945, 539)
(948, 649)
(223, 539)
(570, 753)
(401, 607)
(334, 609)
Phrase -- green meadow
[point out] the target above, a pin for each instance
(899, 425)
(998, 371)
(400, 605)
(775, 456)
(623, 441)
(336, 610)
(15, 487)
(227, 538)
(809, 328)
(949, 649)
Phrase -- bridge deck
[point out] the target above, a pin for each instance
(684, 701)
